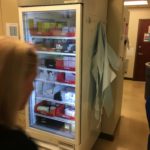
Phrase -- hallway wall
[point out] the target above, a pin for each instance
(114, 35)
(135, 15)
(1, 29)
(8, 14)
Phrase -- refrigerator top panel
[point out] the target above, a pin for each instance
(23, 3)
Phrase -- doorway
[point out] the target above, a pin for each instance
(142, 49)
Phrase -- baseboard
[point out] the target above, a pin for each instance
(110, 137)
(126, 78)
(106, 136)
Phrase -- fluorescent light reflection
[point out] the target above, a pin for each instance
(129, 3)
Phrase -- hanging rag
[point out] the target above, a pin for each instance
(104, 64)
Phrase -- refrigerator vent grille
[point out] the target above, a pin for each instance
(64, 146)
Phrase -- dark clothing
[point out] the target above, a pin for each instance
(15, 139)
(148, 110)
(148, 144)
(147, 105)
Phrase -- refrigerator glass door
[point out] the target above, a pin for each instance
(53, 103)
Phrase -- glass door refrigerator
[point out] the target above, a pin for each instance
(60, 114)
(54, 105)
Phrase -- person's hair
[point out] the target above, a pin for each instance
(17, 61)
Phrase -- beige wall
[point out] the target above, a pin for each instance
(114, 24)
(114, 35)
(135, 15)
(1, 29)
(9, 14)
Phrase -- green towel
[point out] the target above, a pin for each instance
(104, 64)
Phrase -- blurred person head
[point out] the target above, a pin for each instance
(18, 64)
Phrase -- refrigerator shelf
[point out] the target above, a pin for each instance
(55, 37)
(56, 101)
(55, 53)
(56, 118)
(56, 70)
(58, 83)
(67, 134)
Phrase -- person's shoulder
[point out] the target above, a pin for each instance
(15, 139)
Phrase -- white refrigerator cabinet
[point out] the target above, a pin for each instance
(60, 112)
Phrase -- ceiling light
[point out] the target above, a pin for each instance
(130, 3)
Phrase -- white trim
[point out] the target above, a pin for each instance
(78, 74)
(49, 8)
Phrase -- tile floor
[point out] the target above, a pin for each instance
(133, 129)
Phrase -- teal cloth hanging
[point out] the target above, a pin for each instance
(105, 64)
